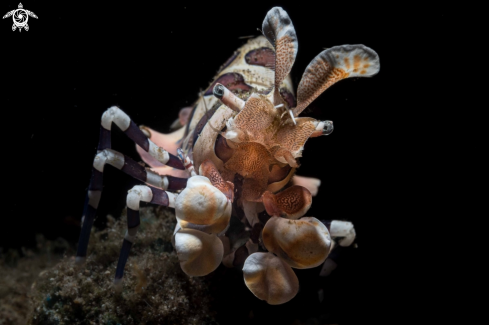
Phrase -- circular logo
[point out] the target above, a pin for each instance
(20, 17)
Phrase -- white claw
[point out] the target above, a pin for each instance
(269, 278)
(202, 206)
(199, 253)
(343, 229)
(302, 243)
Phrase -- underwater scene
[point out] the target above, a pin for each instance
(211, 163)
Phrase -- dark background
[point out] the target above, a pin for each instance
(151, 60)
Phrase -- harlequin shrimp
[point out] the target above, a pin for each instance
(229, 170)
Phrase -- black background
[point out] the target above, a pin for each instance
(151, 60)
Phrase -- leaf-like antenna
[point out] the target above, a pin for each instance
(280, 32)
(331, 66)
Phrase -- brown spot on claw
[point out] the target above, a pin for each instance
(285, 57)
(251, 160)
(356, 62)
(291, 203)
(209, 170)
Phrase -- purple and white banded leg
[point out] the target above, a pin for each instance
(137, 194)
(105, 155)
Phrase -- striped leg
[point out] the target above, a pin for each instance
(124, 163)
(137, 194)
(128, 166)
(122, 120)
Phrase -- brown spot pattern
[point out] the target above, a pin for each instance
(318, 77)
(251, 160)
(209, 170)
(257, 115)
(293, 137)
(284, 58)
(291, 203)
(294, 199)
(357, 60)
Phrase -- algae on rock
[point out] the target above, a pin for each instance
(154, 288)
